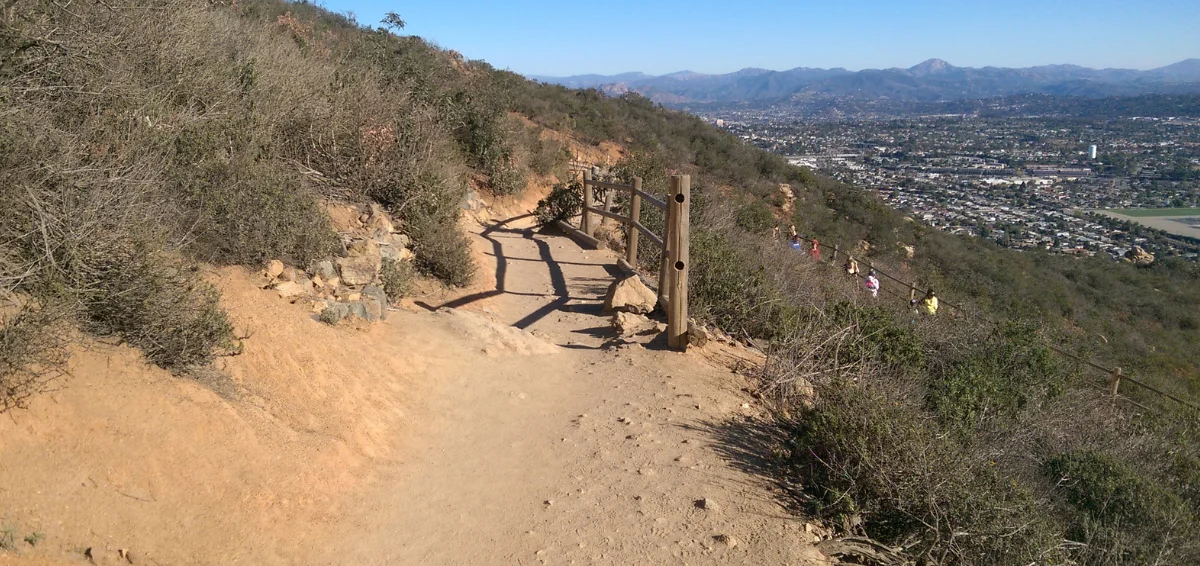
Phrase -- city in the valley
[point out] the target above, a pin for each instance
(1063, 183)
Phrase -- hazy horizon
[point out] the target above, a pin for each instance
(544, 38)
(585, 73)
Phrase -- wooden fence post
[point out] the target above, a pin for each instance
(677, 307)
(833, 258)
(664, 268)
(635, 216)
(585, 221)
(912, 292)
(1114, 382)
(609, 195)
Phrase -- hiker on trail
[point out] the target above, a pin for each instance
(873, 284)
(775, 233)
(928, 305)
(795, 243)
(792, 232)
(815, 250)
(851, 266)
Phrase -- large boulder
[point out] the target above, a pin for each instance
(325, 270)
(628, 324)
(1139, 256)
(400, 240)
(362, 265)
(338, 312)
(274, 269)
(358, 270)
(376, 301)
(290, 290)
(630, 295)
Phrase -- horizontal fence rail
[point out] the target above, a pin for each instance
(1115, 375)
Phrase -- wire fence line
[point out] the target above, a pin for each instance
(1116, 376)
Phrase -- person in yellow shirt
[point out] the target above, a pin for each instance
(929, 305)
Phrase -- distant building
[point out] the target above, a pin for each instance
(1091, 152)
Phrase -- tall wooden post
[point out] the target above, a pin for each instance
(664, 268)
(1114, 382)
(833, 259)
(677, 307)
(585, 221)
(912, 292)
(635, 216)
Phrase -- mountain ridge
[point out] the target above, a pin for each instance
(928, 81)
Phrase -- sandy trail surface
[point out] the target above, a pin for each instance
(500, 425)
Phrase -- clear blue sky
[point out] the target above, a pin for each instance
(541, 37)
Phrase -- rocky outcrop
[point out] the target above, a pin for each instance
(789, 199)
(348, 286)
(630, 295)
(1139, 256)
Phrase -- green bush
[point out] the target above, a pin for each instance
(997, 376)
(1126, 517)
(506, 178)
(869, 453)
(755, 217)
(877, 336)
(547, 156)
(249, 213)
(730, 286)
(396, 276)
(563, 202)
(442, 250)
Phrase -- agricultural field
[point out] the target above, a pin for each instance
(1154, 212)
(1178, 221)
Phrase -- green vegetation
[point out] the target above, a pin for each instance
(563, 202)
(1151, 212)
(959, 437)
(213, 134)
(396, 277)
(931, 434)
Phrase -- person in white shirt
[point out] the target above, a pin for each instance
(873, 284)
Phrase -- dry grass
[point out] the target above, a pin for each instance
(139, 138)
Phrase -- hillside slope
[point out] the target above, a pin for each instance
(143, 150)
(434, 437)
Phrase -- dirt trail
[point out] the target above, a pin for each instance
(505, 431)
(592, 455)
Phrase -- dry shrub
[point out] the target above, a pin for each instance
(251, 212)
(869, 453)
(396, 276)
(442, 250)
(207, 134)
(32, 351)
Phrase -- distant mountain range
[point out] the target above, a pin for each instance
(931, 81)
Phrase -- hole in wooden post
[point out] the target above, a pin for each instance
(679, 266)
(679, 197)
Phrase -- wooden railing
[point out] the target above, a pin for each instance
(673, 267)
(1115, 375)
